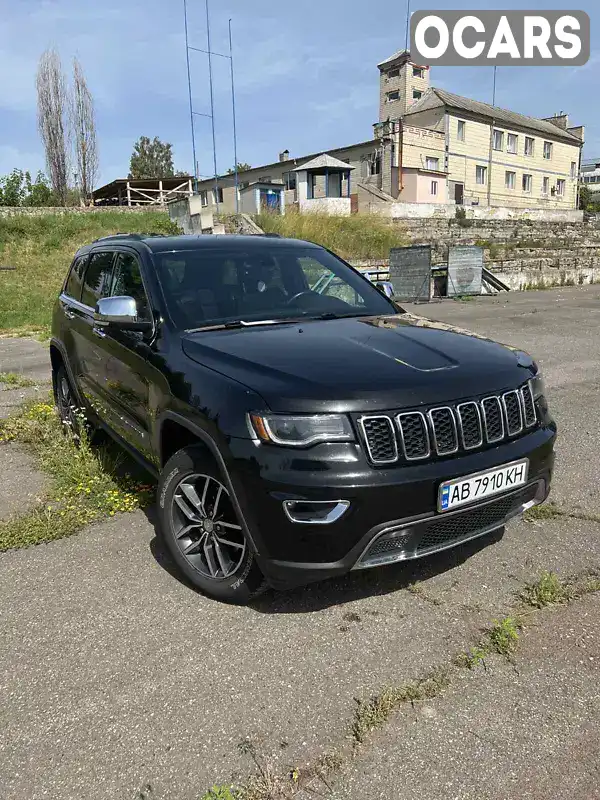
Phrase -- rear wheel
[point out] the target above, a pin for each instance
(202, 531)
(66, 403)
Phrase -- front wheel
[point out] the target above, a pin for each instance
(201, 529)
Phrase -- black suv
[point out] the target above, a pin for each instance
(301, 423)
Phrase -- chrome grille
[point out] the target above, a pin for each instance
(529, 413)
(380, 439)
(443, 426)
(493, 421)
(469, 422)
(445, 430)
(414, 435)
(512, 410)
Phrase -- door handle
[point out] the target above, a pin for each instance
(68, 313)
(99, 332)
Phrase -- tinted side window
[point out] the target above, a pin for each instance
(74, 281)
(127, 281)
(97, 279)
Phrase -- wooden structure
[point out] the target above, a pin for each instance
(144, 192)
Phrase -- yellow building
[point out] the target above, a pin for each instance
(491, 156)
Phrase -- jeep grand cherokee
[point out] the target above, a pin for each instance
(301, 424)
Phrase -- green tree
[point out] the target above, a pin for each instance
(585, 196)
(242, 167)
(12, 188)
(38, 193)
(151, 158)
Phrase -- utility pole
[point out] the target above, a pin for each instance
(235, 158)
(189, 77)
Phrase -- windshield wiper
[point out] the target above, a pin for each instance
(237, 323)
(335, 315)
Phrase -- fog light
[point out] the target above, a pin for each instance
(315, 512)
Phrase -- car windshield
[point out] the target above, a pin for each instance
(216, 286)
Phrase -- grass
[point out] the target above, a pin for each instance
(13, 380)
(548, 590)
(86, 484)
(42, 248)
(501, 637)
(372, 713)
(355, 238)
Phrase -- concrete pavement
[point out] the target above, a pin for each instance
(114, 674)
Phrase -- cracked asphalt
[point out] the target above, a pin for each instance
(114, 675)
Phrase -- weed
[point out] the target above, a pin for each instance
(504, 635)
(548, 590)
(547, 510)
(472, 657)
(360, 236)
(86, 484)
(13, 380)
(42, 247)
(372, 713)
(222, 792)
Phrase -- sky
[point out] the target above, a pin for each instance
(306, 75)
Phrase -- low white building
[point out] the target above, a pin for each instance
(324, 186)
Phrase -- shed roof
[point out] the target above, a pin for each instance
(324, 161)
(440, 97)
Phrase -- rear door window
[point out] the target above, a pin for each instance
(75, 279)
(98, 277)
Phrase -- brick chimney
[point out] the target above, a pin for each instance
(284, 155)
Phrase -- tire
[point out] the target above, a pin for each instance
(201, 530)
(66, 403)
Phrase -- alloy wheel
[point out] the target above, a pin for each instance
(205, 527)
(67, 407)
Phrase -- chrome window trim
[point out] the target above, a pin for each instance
(361, 424)
(435, 441)
(70, 301)
(460, 424)
(519, 406)
(496, 400)
(425, 428)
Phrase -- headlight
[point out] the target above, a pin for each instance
(538, 386)
(300, 430)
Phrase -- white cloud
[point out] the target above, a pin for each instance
(13, 158)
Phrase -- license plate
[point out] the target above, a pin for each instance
(460, 491)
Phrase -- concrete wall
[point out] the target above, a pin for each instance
(424, 210)
(336, 206)
(417, 190)
(40, 211)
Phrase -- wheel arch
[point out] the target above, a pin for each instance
(187, 431)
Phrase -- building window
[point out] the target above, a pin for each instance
(393, 73)
(460, 132)
(498, 140)
(218, 194)
(289, 179)
(203, 198)
(545, 184)
(265, 179)
(434, 187)
(480, 175)
(548, 150)
(417, 95)
(560, 187)
(509, 179)
(432, 163)
(374, 164)
(573, 169)
(529, 146)
(418, 72)
(527, 183)
(512, 143)
(391, 96)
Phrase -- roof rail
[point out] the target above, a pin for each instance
(138, 236)
(273, 235)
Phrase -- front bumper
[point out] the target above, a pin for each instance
(392, 512)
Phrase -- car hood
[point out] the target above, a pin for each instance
(360, 364)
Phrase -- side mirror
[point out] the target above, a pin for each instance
(119, 312)
(386, 288)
